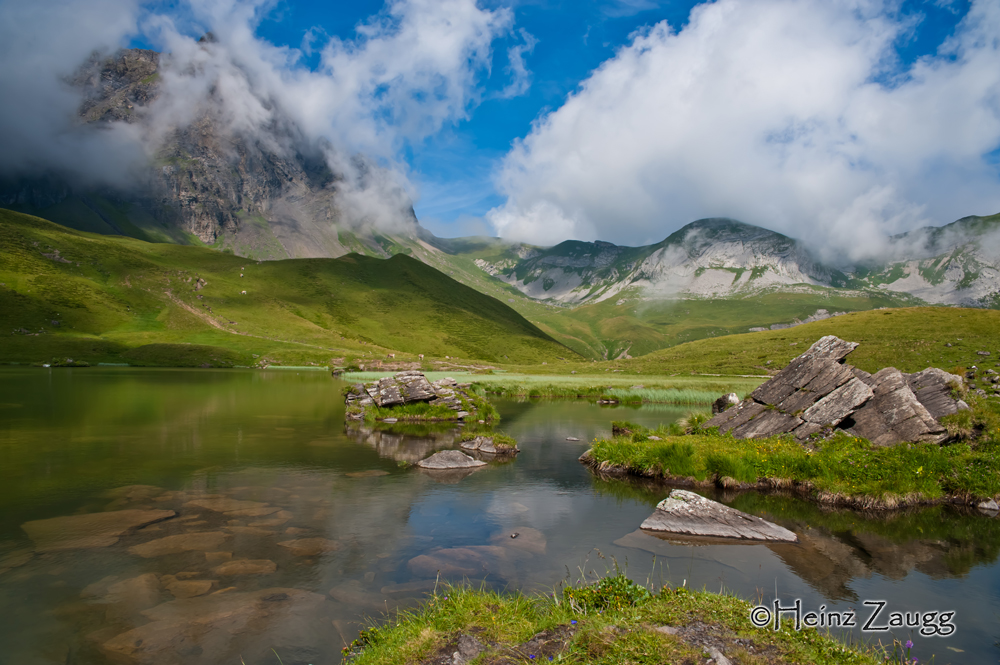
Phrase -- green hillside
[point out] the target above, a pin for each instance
(909, 339)
(95, 298)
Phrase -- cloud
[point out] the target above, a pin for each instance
(41, 47)
(790, 114)
(410, 70)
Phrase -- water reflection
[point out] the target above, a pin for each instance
(289, 528)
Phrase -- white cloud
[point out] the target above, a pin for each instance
(769, 111)
(410, 70)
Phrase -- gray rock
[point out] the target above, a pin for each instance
(817, 392)
(484, 444)
(402, 388)
(691, 514)
(894, 414)
(989, 505)
(449, 459)
(724, 402)
(933, 388)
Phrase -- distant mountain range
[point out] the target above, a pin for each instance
(276, 196)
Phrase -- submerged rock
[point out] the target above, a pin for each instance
(90, 530)
(817, 392)
(202, 541)
(245, 567)
(449, 459)
(310, 546)
(691, 514)
(219, 628)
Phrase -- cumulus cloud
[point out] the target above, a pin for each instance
(408, 71)
(790, 114)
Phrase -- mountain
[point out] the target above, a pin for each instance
(99, 298)
(955, 264)
(262, 195)
(707, 258)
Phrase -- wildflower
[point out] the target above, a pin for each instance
(531, 656)
(909, 644)
(573, 621)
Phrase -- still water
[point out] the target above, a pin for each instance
(286, 530)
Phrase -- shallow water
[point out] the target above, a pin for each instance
(351, 531)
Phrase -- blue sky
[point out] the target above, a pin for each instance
(454, 169)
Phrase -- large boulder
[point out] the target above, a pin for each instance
(690, 514)
(818, 392)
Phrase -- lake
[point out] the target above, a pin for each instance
(246, 518)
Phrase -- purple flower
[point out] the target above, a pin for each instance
(573, 621)
(909, 644)
(531, 656)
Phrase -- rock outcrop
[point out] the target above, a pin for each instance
(449, 459)
(690, 514)
(410, 387)
(818, 392)
(487, 444)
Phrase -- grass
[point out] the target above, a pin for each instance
(842, 469)
(610, 622)
(100, 297)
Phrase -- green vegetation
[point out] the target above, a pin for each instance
(842, 469)
(611, 622)
(910, 339)
(106, 299)
(501, 441)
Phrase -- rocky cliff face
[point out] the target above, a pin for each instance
(270, 196)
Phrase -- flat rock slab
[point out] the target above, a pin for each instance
(689, 513)
(449, 459)
(91, 530)
(245, 567)
(201, 541)
(895, 414)
(310, 546)
(242, 508)
(189, 588)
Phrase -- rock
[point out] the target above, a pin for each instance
(989, 505)
(218, 557)
(310, 546)
(371, 473)
(276, 519)
(402, 388)
(449, 459)
(241, 508)
(472, 562)
(718, 657)
(894, 414)
(667, 630)
(484, 444)
(248, 530)
(190, 588)
(572, 438)
(202, 541)
(469, 648)
(933, 388)
(724, 402)
(132, 595)
(691, 514)
(90, 530)
(527, 539)
(353, 592)
(15, 559)
(816, 392)
(245, 567)
(222, 627)
(409, 588)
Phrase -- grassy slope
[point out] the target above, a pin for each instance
(639, 327)
(116, 293)
(910, 339)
